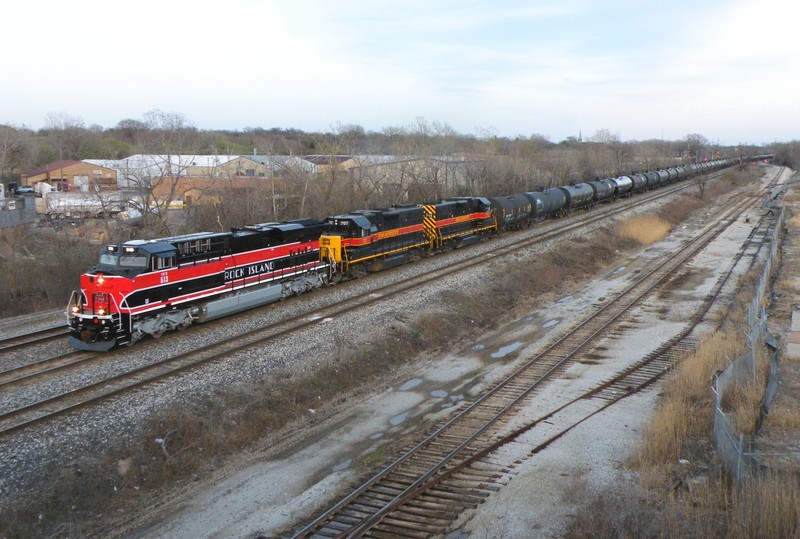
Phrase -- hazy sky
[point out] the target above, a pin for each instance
(727, 69)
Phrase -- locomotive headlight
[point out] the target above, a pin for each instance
(76, 309)
(100, 279)
(101, 303)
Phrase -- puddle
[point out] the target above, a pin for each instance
(550, 323)
(343, 465)
(411, 384)
(456, 398)
(376, 436)
(619, 269)
(396, 420)
(479, 347)
(504, 351)
(564, 299)
(439, 393)
(528, 318)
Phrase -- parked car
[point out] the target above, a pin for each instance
(25, 190)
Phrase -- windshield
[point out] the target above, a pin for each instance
(121, 263)
(108, 259)
(133, 261)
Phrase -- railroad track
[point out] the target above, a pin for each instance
(43, 367)
(33, 338)
(424, 490)
(45, 409)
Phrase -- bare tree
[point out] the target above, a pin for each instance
(69, 132)
(696, 144)
(14, 152)
(169, 144)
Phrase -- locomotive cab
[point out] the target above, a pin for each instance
(133, 258)
(342, 226)
(95, 312)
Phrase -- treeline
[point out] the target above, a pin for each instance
(787, 154)
(158, 132)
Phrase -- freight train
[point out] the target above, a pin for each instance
(148, 287)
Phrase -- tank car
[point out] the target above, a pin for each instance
(511, 211)
(547, 203)
(603, 190)
(663, 177)
(148, 287)
(673, 175)
(578, 195)
(623, 186)
(652, 179)
(639, 182)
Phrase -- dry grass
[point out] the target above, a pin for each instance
(679, 210)
(687, 408)
(784, 415)
(766, 507)
(645, 230)
(664, 441)
(793, 195)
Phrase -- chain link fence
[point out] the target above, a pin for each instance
(736, 450)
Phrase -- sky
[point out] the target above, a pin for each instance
(639, 69)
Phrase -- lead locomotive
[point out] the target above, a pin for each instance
(148, 287)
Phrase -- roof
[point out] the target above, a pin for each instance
(326, 159)
(50, 167)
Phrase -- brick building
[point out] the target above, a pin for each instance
(72, 176)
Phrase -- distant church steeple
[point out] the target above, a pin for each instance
(580, 136)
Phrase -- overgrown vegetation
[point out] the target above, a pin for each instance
(645, 230)
(191, 438)
(40, 268)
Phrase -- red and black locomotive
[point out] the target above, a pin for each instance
(148, 287)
